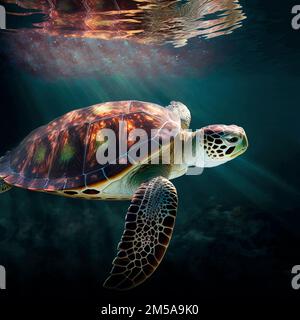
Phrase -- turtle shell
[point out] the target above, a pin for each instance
(62, 154)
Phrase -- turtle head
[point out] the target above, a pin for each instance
(223, 143)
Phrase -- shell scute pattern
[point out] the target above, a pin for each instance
(62, 154)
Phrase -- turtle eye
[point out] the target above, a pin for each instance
(232, 139)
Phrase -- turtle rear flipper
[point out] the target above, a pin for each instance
(148, 229)
(4, 186)
(4, 169)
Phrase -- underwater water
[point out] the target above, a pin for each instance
(236, 234)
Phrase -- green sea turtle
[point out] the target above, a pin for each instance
(61, 158)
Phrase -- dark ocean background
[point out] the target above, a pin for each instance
(237, 231)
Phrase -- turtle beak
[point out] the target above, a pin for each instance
(243, 146)
(245, 142)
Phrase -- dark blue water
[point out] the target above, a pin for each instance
(237, 231)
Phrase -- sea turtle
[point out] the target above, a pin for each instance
(61, 158)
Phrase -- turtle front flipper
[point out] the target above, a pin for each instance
(148, 229)
(182, 111)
